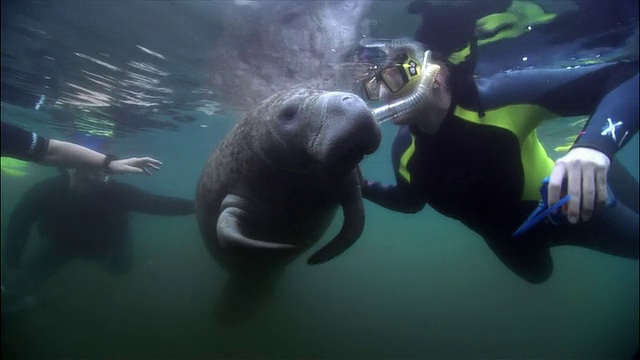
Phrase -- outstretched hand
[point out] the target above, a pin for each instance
(586, 176)
(134, 166)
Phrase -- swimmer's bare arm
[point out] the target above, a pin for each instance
(66, 154)
(26, 214)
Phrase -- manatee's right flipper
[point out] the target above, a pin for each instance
(229, 227)
(353, 224)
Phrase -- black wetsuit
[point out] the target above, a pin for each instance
(22, 144)
(486, 171)
(88, 225)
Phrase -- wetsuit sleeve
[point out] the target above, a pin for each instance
(27, 212)
(22, 144)
(564, 92)
(396, 197)
(403, 196)
(614, 122)
(138, 200)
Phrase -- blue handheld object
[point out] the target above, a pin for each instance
(544, 211)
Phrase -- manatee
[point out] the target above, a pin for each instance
(271, 188)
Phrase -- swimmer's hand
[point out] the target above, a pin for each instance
(586, 175)
(134, 166)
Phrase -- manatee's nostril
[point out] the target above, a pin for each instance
(347, 98)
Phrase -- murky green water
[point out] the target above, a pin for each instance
(414, 286)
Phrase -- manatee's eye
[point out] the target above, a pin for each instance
(289, 109)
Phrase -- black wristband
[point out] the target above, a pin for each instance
(107, 160)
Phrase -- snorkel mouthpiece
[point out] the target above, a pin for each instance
(410, 105)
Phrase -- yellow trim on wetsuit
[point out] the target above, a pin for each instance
(570, 140)
(404, 160)
(517, 20)
(535, 161)
(13, 167)
(512, 23)
(459, 56)
(536, 164)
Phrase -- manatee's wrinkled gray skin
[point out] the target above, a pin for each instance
(271, 188)
(267, 46)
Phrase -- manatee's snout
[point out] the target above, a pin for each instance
(347, 130)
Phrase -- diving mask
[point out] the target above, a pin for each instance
(396, 77)
(410, 81)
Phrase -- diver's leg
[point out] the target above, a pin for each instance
(43, 265)
(23, 294)
(611, 230)
(531, 260)
(527, 259)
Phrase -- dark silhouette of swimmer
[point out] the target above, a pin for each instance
(80, 214)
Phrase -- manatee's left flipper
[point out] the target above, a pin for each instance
(229, 227)
(352, 227)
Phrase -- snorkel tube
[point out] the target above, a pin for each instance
(410, 105)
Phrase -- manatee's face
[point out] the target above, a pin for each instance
(322, 129)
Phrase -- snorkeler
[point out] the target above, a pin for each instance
(80, 214)
(468, 148)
